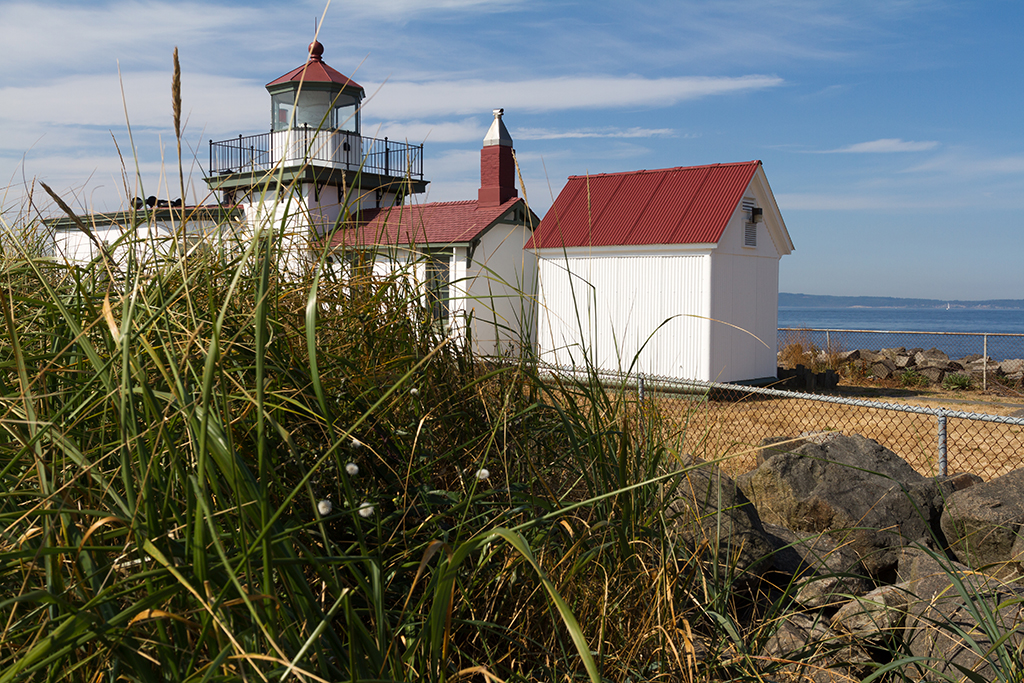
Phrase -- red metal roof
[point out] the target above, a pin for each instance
(434, 223)
(686, 205)
(316, 71)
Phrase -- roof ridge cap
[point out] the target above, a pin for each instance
(671, 168)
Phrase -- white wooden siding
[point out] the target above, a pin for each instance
(501, 285)
(745, 286)
(648, 312)
(744, 306)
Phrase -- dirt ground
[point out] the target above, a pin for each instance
(729, 429)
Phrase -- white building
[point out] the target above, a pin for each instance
(672, 272)
(468, 256)
(144, 232)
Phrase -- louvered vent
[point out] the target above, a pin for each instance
(749, 226)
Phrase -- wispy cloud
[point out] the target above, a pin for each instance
(402, 99)
(400, 10)
(96, 100)
(827, 201)
(883, 146)
(466, 130)
(964, 163)
(555, 134)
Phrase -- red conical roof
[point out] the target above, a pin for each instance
(316, 71)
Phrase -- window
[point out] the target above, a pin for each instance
(281, 105)
(749, 225)
(437, 284)
(345, 114)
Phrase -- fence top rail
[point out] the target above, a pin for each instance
(661, 383)
(957, 334)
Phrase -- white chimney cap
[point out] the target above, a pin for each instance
(497, 134)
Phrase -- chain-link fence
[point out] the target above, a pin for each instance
(728, 422)
(915, 358)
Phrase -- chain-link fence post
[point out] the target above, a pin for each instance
(942, 443)
(645, 423)
(984, 363)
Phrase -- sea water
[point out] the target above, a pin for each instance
(989, 321)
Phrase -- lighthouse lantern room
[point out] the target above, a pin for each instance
(318, 96)
(315, 151)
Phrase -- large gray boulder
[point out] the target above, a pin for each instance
(874, 616)
(953, 619)
(930, 357)
(881, 613)
(883, 369)
(984, 524)
(861, 493)
(1012, 366)
(812, 652)
(822, 572)
(713, 519)
(958, 620)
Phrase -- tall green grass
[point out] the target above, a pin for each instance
(171, 435)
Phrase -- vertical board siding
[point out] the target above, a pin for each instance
(644, 312)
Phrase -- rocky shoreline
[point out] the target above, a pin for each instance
(913, 366)
(874, 557)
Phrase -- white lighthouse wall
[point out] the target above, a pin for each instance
(287, 216)
(494, 291)
(500, 291)
(646, 311)
(151, 239)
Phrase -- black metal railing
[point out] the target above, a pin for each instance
(336, 149)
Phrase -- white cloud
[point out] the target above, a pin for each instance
(965, 163)
(401, 10)
(607, 132)
(474, 129)
(96, 100)
(810, 201)
(403, 99)
(884, 146)
(456, 162)
(416, 132)
(76, 37)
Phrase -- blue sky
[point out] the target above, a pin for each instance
(891, 132)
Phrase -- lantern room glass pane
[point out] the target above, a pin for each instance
(312, 109)
(346, 114)
(281, 106)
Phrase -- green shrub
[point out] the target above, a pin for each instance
(957, 382)
(913, 378)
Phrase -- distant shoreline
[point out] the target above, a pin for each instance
(790, 300)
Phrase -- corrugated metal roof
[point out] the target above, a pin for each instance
(316, 71)
(434, 223)
(685, 205)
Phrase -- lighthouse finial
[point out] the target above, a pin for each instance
(316, 51)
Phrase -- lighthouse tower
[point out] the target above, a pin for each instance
(313, 169)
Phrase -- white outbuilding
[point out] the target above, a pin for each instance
(673, 272)
(467, 257)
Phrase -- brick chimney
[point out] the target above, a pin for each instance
(497, 165)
